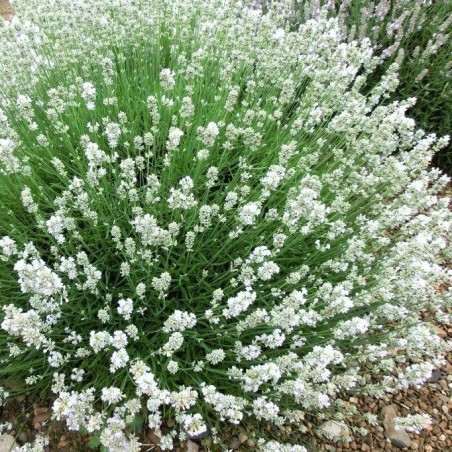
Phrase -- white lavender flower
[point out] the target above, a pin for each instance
(125, 308)
(111, 395)
(205, 213)
(194, 424)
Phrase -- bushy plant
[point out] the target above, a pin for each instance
(204, 219)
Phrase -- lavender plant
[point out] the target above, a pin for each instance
(205, 219)
(418, 33)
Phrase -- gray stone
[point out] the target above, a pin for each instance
(332, 430)
(399, 437)
(192, 446)
(7, 443)
(436, 375)
(234, 443)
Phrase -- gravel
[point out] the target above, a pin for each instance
(434, 398)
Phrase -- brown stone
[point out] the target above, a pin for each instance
(153, 438)
(398, 437)
(439, 331)
(242, 438)
(23, 437)
(62, 444)
(41, 417)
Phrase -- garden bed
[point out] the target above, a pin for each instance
(142, 377)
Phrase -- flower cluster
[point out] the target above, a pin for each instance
(416, 34)
(207, 216)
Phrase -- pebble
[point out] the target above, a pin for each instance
(63, 443)
(40, 417)
(332, 430)
(235, 443)
(207, 442)
(23, 437)
(192, 446)
(439, 331)
(7, 443)
(398, 437)
(40, 410)
(242, 438)
(436, 375)
(153, 438)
